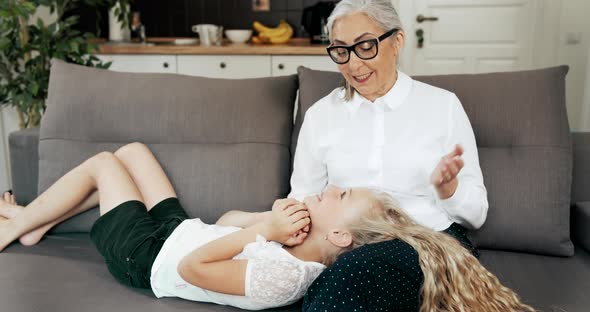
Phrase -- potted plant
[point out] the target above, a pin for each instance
(27, 48)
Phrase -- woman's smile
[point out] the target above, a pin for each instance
(363, 78)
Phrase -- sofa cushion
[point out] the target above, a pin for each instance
(521, 127)
(24, 164)
(581, 224)
(69, 264)
(224, 143)
(551, 284)
(581, 177)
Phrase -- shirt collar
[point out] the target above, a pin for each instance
(393, 98)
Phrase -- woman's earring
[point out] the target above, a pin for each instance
(326, 237)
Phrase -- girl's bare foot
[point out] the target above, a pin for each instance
(5, 234)
(9, 209)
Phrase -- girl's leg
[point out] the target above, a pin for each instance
(103, 172)
(144, 169)
(9, 209)
(147, 173)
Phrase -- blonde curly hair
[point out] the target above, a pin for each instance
(454, 280)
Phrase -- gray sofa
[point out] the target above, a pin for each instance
(228, 144)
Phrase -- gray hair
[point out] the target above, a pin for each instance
(381, 12)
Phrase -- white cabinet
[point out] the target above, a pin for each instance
(218, 66)
(224, 66)
(140, 63)
(287, 65)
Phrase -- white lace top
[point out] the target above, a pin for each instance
(274, 277)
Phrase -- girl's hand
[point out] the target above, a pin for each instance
(444, 176)
(287, 222)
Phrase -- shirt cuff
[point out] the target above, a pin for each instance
(453, 205)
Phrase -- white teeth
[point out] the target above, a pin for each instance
(363, 77)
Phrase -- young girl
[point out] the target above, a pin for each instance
(148, 240)
(238, 261)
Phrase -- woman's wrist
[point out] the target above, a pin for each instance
(447, 190)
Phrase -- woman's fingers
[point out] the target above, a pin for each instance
(455, 166)
(458, 150)
(448, 168)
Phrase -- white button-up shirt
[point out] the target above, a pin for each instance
(392, 144)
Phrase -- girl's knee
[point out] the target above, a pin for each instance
(104, 159)
(132, 150)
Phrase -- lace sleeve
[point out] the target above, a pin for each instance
(274, 283)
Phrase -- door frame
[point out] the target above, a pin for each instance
(5, 177)
(585, 115)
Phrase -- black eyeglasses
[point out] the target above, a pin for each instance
(365, 50)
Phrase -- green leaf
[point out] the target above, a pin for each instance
(52, 28)
(74, 46)
(34, 88)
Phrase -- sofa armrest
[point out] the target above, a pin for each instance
(580, 221)
(23, 146)
(581, 173)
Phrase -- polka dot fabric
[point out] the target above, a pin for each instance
(385, 276)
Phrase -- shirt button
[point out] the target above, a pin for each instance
(127, 259)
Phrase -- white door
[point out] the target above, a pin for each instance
(469, 36)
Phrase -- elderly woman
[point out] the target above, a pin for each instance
(385, 130)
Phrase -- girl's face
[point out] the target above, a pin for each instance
(374, 77)
(336, 207)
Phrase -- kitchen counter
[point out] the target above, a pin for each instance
(296, 46)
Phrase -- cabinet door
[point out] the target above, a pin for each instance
(225, 66)
(287, 65)
(141, 63)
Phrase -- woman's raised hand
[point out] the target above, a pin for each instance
(288, 222)
(444, 176)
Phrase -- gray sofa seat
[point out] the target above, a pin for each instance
(65, 273)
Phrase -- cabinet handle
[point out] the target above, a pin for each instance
(222, 65)
(281, 66)
(166, 65)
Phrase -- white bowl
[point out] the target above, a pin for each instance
(238, 35)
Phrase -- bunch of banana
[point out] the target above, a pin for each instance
(279, 34)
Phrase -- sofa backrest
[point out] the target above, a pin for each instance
(524, 144)
(223, 143)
